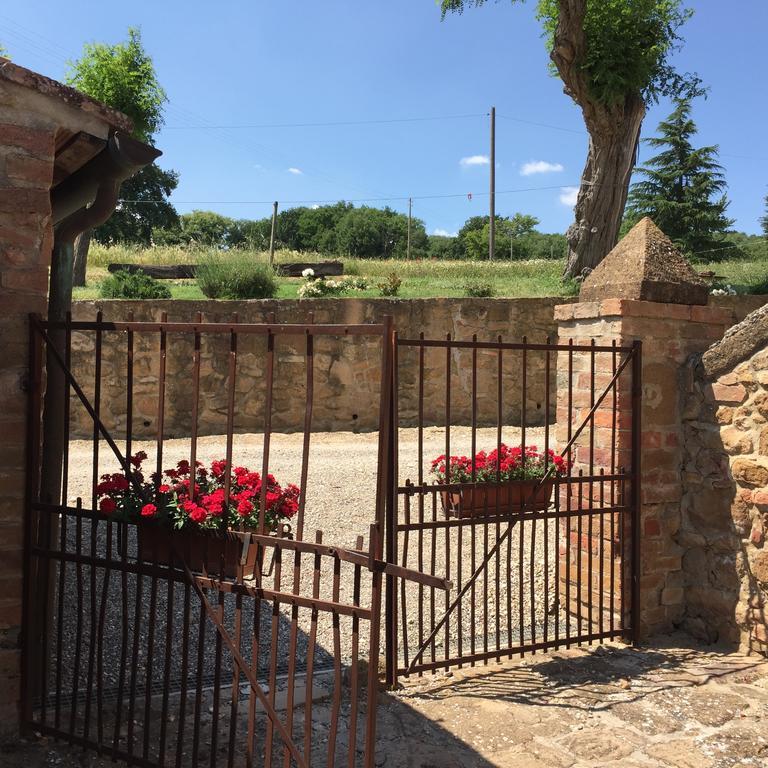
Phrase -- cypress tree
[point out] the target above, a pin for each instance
(683, 189)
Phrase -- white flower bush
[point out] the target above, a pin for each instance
(726, 290)
(316, 287)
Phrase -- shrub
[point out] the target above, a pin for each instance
(391, 285)
(133, 285)
(317, 287)
(479, 289)
(235, 275)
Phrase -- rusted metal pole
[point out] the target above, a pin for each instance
(272, 234)
(637, 425)
(492, 198)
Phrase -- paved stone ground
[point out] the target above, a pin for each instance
(669, 704)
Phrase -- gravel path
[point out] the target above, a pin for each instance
(340, 497)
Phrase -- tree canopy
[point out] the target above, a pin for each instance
(764, 219)
(683, 189)
(122, 76)
(614, 57)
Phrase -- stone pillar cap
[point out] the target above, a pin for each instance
(645, 265)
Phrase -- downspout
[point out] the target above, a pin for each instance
(84, 200)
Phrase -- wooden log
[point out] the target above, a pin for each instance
(159, 271)
(185, 271)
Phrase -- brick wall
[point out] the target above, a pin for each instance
(670, 334)
(26, 169)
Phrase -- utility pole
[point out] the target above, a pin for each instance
(410, 206)
(272, 234)
(492, 211)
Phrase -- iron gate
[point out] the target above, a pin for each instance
(136, 653)
(530, 576)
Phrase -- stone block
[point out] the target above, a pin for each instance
(752, 473)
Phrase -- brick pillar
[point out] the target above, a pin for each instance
(670, 333)
(26, 171)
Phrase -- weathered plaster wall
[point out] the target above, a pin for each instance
(725, 506)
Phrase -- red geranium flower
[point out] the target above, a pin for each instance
(107, 506)
(148, 510)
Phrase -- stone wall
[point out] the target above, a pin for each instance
(725, 507)
(347, 369)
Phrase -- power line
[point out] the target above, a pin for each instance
(404, 198)
(540, 125)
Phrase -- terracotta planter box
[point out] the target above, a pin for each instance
(491, 499)
(212, 552)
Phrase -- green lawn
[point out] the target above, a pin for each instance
(420, 279)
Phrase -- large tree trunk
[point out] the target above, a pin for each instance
(82, 243)
(613, 137)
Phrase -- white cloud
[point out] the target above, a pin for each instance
(444, 233)
(568, 196)
(296, 171)
(468, 162)
(540, 166)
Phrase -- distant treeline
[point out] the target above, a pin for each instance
(374, 233)
(359, 232)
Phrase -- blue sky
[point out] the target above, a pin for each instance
(278, 62)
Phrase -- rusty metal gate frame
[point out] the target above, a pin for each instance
(42, 556)
(505, 521)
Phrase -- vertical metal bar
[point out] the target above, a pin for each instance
(580, 546)
(392, 508)
(292, 644)
(404, 562)
(79, 629)
(590, 518)
(234, 703)
(386, 512)
(612, 553)
(333, 728)
(420, 498)
(369, 759)
(568, 500)
(169, 643)
(274, 651)
(180, 746)
(601, 551)
(309, 362)
(30, 649)
(432, 569)
(214, 756)
(354, 682)
(195, 407)
(267, 431)
(199, 670)
(231, 383)
(95, 641)
(150, 663)
(161, 398)
(547, 374)
(637, 400)
(63, 518)
(133, 665)
(311, 654)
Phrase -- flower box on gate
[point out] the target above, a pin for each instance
(487, 499)
(217, 553)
